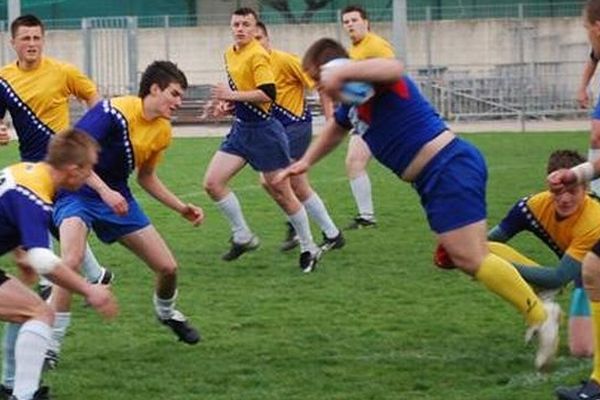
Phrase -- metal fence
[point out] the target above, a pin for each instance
(474, 63)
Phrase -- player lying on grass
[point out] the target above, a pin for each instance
(569, 224)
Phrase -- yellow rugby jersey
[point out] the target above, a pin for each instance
(248, 68)
(574, 235)
(37, 101)
(291, 82)
(26, 196)
(371, 46)
(126, 138)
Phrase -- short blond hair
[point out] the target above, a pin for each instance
(72, 146)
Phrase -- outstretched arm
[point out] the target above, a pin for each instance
(152, 184)
(551, 277)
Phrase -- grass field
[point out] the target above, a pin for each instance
(376, 321)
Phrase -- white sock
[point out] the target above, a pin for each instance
(593, 155)
(316, 209)
(300, 223)
(231, 208)
(62, 320)
(30, 352)
(91, 268)
(9, 341)
(361, 190)
(164, 307)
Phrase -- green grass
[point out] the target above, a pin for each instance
(376, 321)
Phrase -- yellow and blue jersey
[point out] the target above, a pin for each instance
(248, 68)
(291, 82)
(128, 140)
(574, 236)
(371, 46)
(26, 196)
(37, 101)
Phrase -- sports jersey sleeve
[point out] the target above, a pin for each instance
(79, 84)
(261, 68)
(515, 220)
(96, 122)
(341, 116)
(580, 245)
(33, 221)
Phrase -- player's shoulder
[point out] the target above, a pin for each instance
(34, 179)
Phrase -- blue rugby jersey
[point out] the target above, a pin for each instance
(127, 140)
(396, 123)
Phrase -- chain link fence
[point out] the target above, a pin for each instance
(475, 63)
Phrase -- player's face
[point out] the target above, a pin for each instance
(569, 201)
(28, 44)
(76, 175)
(243, 29)
(262, 38)
(355, 26)
(168, 100)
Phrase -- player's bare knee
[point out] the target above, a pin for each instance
(167, 269)
(73, 261)
(39, 310)
(214, 188)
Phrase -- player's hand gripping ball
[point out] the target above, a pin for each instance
(352, 92)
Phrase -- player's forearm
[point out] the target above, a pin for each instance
(552, 277)
(381, 70)
(329, 138)
(588, 73)
(252, 96)
(154, 186)
(96, 183)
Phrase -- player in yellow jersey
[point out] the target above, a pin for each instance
(35, 91)
(26, 194)
(256, 138)
(291, 109)
(569, 224)
(133, 132)
(365, 44)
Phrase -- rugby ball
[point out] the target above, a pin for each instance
(356, 93)
(352, 92)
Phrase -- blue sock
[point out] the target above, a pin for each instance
(11, 331)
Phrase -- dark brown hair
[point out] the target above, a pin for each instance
(163, 73)
(28, 20)
(563, 159)
(321, 52)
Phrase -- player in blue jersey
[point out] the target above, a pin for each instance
(256, 138)
(133, 133)
(26, 194)
(35, 91)
(406, 134)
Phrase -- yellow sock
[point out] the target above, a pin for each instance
(502, 278)
(509, 254)
(595, 307)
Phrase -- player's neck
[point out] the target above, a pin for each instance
(28, 66)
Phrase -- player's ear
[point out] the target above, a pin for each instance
(154, 89)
